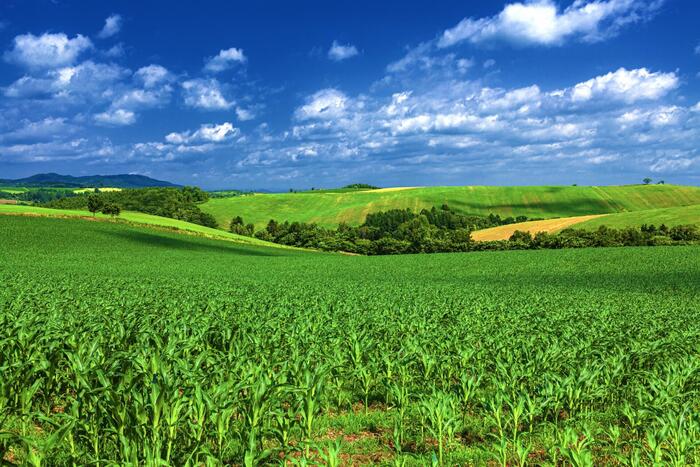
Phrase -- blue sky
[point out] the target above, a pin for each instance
(275, 95)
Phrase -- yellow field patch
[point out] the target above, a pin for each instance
(503, 232)
(396, 188)
(102, 189)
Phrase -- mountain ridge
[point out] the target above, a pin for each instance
(52, 179)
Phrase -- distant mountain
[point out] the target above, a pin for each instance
(89, 181)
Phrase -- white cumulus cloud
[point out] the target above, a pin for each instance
(152, 75)
(339, 52)
(205, 94)
(224, 60)
(47, 50)
(113, 24)
(626, 85)
(324, 104)
(208, 133)
(71, 83)
(540, 22)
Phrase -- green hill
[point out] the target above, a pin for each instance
(669, 216)
(138, 219)
(328, 209)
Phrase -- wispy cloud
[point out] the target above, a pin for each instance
(117, 117)
(113, 24)
(339, 52)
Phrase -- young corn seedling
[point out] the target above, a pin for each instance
(331, 454)
(440, 413)
(310, 395)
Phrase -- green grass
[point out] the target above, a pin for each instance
(137, 218)
(328, 209)
(13, 189)
(670, 216)
(127, 345)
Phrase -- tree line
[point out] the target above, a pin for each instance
(441, 230)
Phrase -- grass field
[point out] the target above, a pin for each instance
(136, 218)
(328, 209)
(126, 345)
(13, 189)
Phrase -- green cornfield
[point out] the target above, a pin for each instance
(126, 346)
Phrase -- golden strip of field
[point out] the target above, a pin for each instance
(396, 188)
(503, 232)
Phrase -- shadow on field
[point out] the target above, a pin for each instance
(191, 244)
(574, 207)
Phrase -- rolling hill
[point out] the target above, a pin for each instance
(89, 181)
(138, 219)
(329, 209)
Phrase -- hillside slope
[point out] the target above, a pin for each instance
(328, 209)
(140, 219)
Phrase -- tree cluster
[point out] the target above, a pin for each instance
(361, 186)
(396, 231)
(96, 204)
(176, 203)
(238, 227)
(645, 235)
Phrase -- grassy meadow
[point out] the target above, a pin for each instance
(329, 209)
(125, 345)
